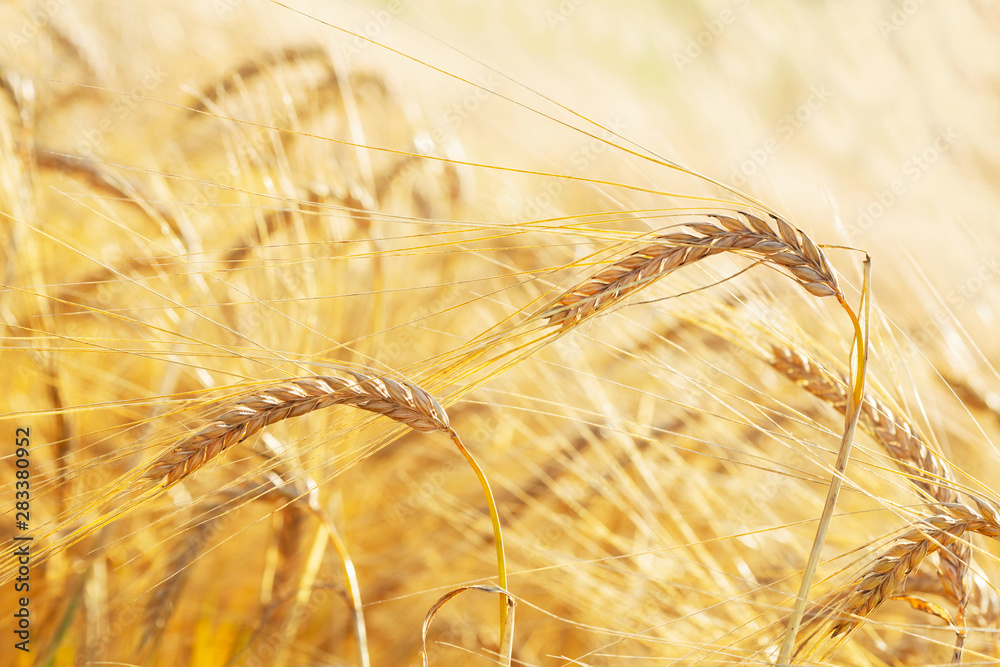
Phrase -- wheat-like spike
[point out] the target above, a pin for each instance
(308, 198)
(842, 613)
(788, 248)
(104, 180)
(973, 392)
(926, 468)
(281, 618)
(398, 400)
(183, 554)
(83, 49)
(161, 603)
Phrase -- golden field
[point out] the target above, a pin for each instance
(551, 220)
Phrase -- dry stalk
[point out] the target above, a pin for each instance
(788, 248)
(398, 400)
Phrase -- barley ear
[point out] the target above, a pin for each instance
(788, 249)
(396, 399)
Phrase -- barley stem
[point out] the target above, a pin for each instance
(853, 412)
(495, 518)
(357, 613)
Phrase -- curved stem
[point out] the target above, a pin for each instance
(357, 613)
(495, 518)
(860, 341)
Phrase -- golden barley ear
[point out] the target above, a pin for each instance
(927, 470)
(103, 180)
(787, 248)
(399, 400)
(984, 602)
(21, 93)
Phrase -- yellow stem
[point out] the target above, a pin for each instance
(860, 359)
(354, 590)
(495, 518)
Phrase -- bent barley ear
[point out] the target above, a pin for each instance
(788, 248)
(934, 479)
(396, 399)
(928, 471)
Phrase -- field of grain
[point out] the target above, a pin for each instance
(307, 307)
